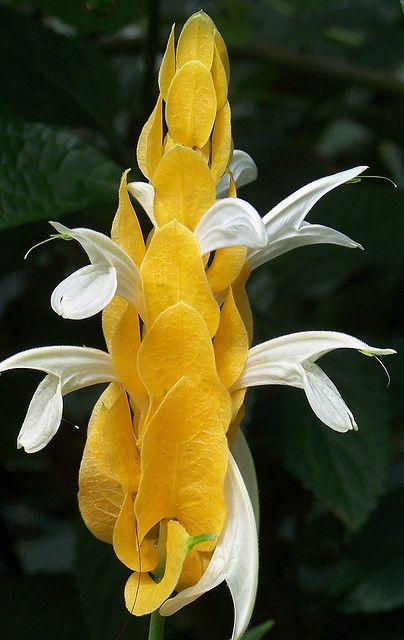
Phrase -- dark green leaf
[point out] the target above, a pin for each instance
(48, 172)
(345, 470)
(52, 78)
(258, 632)
(371, 579)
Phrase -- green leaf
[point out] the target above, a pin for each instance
(258, 632)
(55, 79)
(100, 580)
(370, 580)
(345, 470)
(48, 172)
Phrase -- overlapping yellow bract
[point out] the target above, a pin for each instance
(156, 456)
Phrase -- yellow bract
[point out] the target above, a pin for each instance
(150, 144)
(184, 188)
(184, 461)
(139, 557)
(125, 229)
(167, 67)
(100, 495)
(231, 343)
(196, 41)
(221, 142)
(178, 344)
(144, 595)
(172, 272)
(191, 105)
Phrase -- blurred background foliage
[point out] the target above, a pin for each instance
(317, 86)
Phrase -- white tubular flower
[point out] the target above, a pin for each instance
(67, 369)
(144, 194)
(228, 223)
(88, 290)
(243, 169)
(290, 360)
(286, 225)
(235, 558)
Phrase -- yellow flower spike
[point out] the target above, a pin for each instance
(191, 105)
(219, 80)
(124, 345)
(184, 462)
(196, 41)
(167, 67)
(178, 344)
(184, 187)
(126, 230)
(100, 495)
(226, 267)
(150, 144)
(231, 343)
(142, 594)
(137, 557)
(118, 437)
(173, 271)
(222, 51)
(221, 142)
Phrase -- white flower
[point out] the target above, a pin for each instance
(290, 360)
(228, 223)
(286, 225)
(89, 289)
(235, 558)
(243, 170)
(67, 369)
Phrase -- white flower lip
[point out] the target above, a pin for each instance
(228, 223)
(243, 170)
(235, 558)
(286, 226)
(88, 290)
(144, 194)
(290, 360)
(67, 369)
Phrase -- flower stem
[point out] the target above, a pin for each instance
(156, 628)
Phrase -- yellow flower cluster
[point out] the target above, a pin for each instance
(153, 469)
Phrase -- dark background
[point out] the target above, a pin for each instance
(317, 86)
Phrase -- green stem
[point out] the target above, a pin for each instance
(156, 628)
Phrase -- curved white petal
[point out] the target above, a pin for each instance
(144, 194)
(305, 345)
(85, 292)
(245, 462)
(285, 224)
(230, 222)
(103, 254)
(235, 558)
(326, 401)
(243, 169)
(43, 416)
(76, 367)
(68, 369)
(289, 360)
